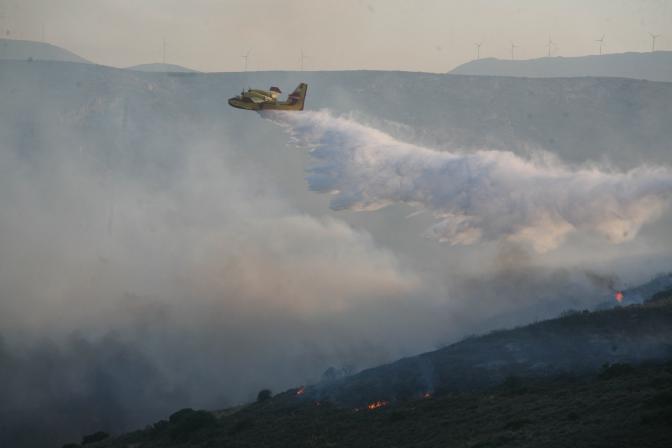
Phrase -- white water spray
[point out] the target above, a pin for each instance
(478, 196)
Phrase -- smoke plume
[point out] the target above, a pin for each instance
(478, 196)
(604, 281)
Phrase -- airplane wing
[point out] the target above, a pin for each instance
(257, 100)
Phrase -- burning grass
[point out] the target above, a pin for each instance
(377, 404)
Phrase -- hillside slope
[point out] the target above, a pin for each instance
(578, 342)
(578, 119)
(655, 66)
(23, 50)
(583, 403)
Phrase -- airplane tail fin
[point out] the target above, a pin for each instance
(298, 97)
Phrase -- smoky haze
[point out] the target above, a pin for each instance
(142, 268)
(159, 249)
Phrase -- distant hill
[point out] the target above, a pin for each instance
(656, 66)
(578, 119)
(168, 68)
(38, 51)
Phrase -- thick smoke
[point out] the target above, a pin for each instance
(144, 269)
(159, 249)
(137, 299)
(478, 196)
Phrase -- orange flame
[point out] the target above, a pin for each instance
(377, 404)
(301, 390)
(619, 296)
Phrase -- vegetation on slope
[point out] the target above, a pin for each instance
(615, 404)
(577, 342)
(622, 406)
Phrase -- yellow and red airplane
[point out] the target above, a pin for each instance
(256, 99)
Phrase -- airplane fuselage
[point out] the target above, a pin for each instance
(256, 99)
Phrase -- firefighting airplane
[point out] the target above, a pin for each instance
(255, 99)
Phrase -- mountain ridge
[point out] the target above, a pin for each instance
(497, 113)
(652, 66)
(13, 49)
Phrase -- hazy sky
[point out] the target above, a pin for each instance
(418, 35)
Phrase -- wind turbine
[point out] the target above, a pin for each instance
(246, 57)
(3, 18)
(303, 57)
(601, 41)
(513, 47)
(164, 51)
(478, 49)
(653, 41)
(549, 45)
